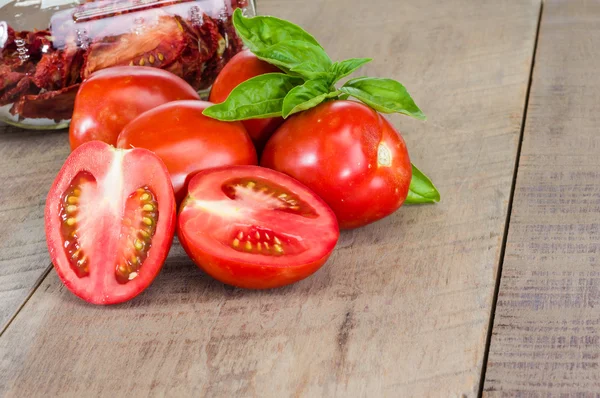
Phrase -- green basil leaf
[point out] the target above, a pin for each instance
(307, 96)
(383, 95)
(259, 97)
(342, 69)
(262, 32)
(296, 54)
(310, 70)
(421, 189)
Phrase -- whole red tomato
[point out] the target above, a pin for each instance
(113, 97)
(187, 141)
(110, 220)
(244, 66)
(347, 153)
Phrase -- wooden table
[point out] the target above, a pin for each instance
(494, 291)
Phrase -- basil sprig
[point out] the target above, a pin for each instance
(299, 55)
(309, 77)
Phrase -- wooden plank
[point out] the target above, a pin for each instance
(546, 335)
(402, 307)
(29, 160)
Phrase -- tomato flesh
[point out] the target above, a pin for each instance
(244, 66)
(113, 97)
(255, 228)
(348, 154)
(187, 141)
(110, 219)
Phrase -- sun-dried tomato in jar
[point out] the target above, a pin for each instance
(47, 47)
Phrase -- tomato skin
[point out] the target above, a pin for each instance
(349, 155)
(187, 141)
(112, 97)
(212, 249)
(248, 276)
(244, 66)
(100, 218)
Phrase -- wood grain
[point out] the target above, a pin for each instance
(29, 161)
(546, 335)
(401, 309)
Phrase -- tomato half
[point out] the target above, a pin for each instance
(244, 66)
(255, 228)
(187, 141)
(110, 220)
(113, 97)
(350, 155)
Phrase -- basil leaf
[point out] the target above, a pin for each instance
(259, 97)
(383, 95)
(307, 96)
(296, 54)
(342, 69)
(310, 70)
(261, 32)
(421, 189)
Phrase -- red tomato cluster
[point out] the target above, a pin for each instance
(111, 212)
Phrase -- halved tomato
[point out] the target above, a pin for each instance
(255, 228)
(110, 220)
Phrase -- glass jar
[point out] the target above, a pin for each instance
(47, 47)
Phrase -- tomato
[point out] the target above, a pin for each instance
(255, 228)
(110, 220)
(187, 141)
(112, 97)
(244, 66)
(348, 154)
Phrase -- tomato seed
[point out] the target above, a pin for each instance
(139, 245)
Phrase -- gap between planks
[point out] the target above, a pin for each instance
(37, 284)
(509, 209)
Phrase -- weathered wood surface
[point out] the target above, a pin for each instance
(401, 309)
(29, 160)
(546, 335)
